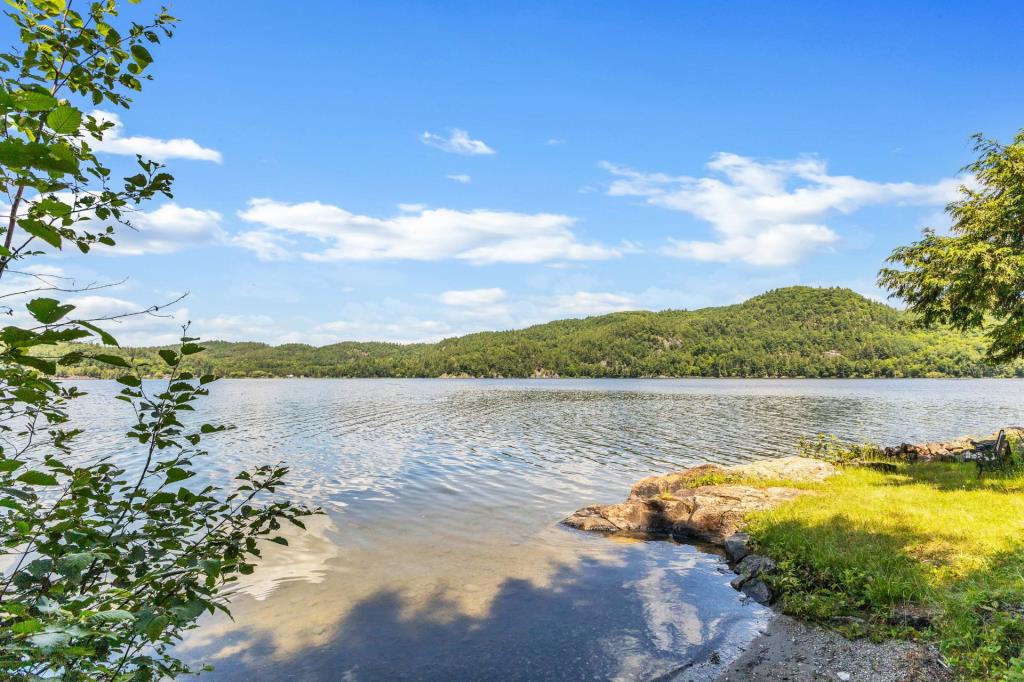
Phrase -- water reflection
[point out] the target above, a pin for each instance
(441, 557)
(567, 607)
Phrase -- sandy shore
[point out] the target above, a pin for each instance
(795, 652)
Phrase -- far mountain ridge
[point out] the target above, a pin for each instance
(796, 331)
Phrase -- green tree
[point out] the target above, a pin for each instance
(973, 278)
(103, 564)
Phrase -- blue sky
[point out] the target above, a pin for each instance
(409, 171)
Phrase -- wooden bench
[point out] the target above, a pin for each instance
(999, 457)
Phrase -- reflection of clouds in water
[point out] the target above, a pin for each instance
(541, 443)
(672, 619)
(444, 497)
(431, 584)
(306, 558)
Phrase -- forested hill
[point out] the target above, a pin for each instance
(791, 332)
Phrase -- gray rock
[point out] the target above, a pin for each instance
(737, 547)
(758, 590)
(737, 582)
(754, 565)
(686, 504)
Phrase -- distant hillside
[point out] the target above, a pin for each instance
(791, 332)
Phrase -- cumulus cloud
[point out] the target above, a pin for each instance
(115, 142)
(461, 178)
(479, 236)
(584, 303)
(168, 229)
(457, 142)
(403, 330)
(767, 212)
(267, 245)
(473, 297)
(774, 245)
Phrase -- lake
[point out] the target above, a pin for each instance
(441, 557)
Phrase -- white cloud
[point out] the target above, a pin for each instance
(114, 142)
(268, 246)
(138, 329)
(411, 208)
(552, 141)
(768, 213)
(472, 297)
(402, 330)
(479, 236)
(457, 142)
(774, 245)
(584, 303)
(461, 178)
(167, 229)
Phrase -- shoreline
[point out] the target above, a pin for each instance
(745, 511)
(561, 378)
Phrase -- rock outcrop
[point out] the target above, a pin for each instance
(707, 502)
(957, 449)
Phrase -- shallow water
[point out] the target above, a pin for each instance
(441, 556)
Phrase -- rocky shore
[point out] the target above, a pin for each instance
(709, 503)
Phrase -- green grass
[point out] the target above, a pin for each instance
(931, 537)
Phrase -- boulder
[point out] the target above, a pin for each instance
(755, 565)
(786, 469)
(710, 513)
(736, 547)
(759, 591)
(682, 505)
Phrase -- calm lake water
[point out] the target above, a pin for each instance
(440, 556)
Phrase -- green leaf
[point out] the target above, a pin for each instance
(71, 565)
(175, 474)
(30, 100)
(115, 360)
(211, 567)
(38, 228)
(7, 465)
(33, 477)
(106, 338)
(39, 567)
(64, 120)
(150, 624)
(26, 627)
(279, 540)
(191, 349)
(48, 310)
(169, 356)
(112, 616)
(141, 55)
(129, 380)
(45, 366)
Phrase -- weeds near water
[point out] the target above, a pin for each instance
(830, 449)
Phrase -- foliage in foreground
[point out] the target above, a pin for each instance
(931, 538)
(792, 332)
(108, 566)
(971, 278)
(103, 562)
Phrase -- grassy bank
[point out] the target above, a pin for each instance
(922, 550)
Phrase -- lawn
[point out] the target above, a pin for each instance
(925, 550)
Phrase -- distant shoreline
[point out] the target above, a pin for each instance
(548, 379)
